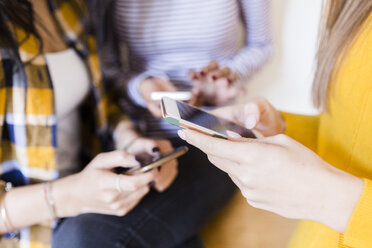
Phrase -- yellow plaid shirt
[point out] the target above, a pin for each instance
(28, 122)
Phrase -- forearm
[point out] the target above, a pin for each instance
(258, 42)
(124, 135)
(250, 60)
(339, 198)
(27, 206)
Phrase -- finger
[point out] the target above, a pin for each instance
(114, 159)
(165, 146)
(226, 165)
(151, 147)
(194, 97)
(249, 114)
(232, 93)
(222, 91)
(130, 201)
(132, 183)
(233, 78)
(218, 74)
(235, 151)
(192, 75)
(253, 113)
(213, 65)
(233, 135)
(166, 176)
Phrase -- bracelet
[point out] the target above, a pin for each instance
(5, 218)
(49, 200)
(5, 187)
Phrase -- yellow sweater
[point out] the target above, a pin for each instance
(343, 138)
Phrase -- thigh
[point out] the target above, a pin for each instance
(166, 219)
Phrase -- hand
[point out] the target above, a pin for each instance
(215, 85)
(150, 85)
(94, 190)
(168, 172)
(282, 176)
(259, 115)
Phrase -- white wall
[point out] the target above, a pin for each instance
(286, 79)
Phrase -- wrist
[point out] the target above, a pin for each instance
(66, 197)
(343, 195)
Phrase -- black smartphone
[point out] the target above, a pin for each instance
(148, 162)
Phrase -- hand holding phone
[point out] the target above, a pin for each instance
(148, 162)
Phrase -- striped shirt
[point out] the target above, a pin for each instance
(167, 38)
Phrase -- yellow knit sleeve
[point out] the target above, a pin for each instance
(303, 128)
(359, 230)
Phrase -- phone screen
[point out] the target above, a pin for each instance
(209, 121)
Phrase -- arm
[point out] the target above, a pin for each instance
(134, 82)
(94, 190)
(257, 45)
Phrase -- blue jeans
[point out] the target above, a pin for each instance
(172, 218)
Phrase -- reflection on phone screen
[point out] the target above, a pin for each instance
(210, 121)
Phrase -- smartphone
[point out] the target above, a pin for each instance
(183, 115)
(176, 95)
(147, 162)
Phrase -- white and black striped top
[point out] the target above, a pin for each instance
(167, 38)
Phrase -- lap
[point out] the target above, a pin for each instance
(166, 219)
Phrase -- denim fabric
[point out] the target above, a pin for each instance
(169, 219)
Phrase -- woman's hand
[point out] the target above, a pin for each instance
(167, 172)
(259, 115)
(127, 138)
(97, 189)
(215, 85)
(282, 176)
(150, 85)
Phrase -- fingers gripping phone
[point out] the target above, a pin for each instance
(183, 115)
(148, 163)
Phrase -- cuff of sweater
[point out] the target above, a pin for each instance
(359, 230)
(134, 85)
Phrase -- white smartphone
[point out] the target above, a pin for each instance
(183, 115)
(176, 95)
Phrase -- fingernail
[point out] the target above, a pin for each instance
(181, 134)
(214, 77)
(250, 122)
(155, 149)
(233, 134)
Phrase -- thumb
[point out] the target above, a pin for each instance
(110, 160)
(251, 114)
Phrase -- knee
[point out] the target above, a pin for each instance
(81, 231)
